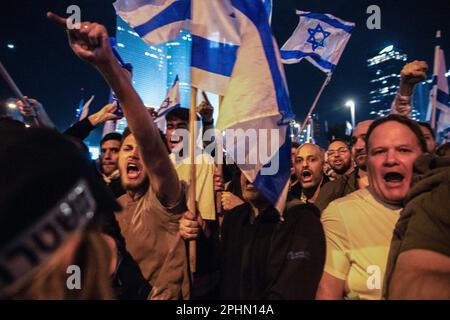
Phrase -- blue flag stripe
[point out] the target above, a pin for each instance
(212, 56)
(177, 11)
(162, 114)
(297, 54)
(324, 18)
(258, 17)
(272, 186)
(443, 97)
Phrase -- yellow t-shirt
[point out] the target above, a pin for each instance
(358, 232)
(204, 186)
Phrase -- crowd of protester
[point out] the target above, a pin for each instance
(364, 219)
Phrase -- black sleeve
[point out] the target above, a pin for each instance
(80, 129)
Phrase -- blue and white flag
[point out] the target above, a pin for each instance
(440, 101)
(256, 110)
(171, 101)
(320, 38)
(156, 21)
(215, 41)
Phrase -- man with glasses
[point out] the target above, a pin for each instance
(339, 157)
(355, 177)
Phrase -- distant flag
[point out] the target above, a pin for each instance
(320, 38)
(257, 98)
(439, 96)
(171, 101)
(156, 21)
(348, 128)
(83, 108)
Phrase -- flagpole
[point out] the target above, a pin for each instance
(313, 106)
(219, 171)
(12, 85)
(192, 176)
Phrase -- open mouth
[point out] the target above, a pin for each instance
(133, 171)
(338, 162)
(306, 175)
(393, 177)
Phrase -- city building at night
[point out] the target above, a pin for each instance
(384, 74)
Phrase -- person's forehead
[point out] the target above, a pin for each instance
(111, 144)
(382, 135)
(308, 150)
(362, 128)
(336, 145)
(130, 140)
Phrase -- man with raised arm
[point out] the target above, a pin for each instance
(155, 199)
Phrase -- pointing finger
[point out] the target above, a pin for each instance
(57, 19)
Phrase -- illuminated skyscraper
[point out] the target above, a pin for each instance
(384, 69)
(155, 67)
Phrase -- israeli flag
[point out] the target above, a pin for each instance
(156, 21)
(215, 42)
(171, 101)
(320, 38)
(440, 100)
(256, 106)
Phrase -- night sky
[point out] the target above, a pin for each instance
(44, 67)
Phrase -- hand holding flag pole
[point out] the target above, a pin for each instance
(12, 85)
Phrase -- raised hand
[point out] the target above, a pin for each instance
(90, 42)
(29, 108)
(411, 74)
(105, 114)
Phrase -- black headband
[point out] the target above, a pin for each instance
(20, 258)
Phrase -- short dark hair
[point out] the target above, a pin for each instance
(428, 126)
(127, 132)
(111, 136)
(295, 144)
(339, 140)
(178, 113)
(411, 124)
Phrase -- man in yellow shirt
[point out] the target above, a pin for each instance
(358, 227)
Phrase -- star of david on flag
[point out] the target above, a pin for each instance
(320, 38)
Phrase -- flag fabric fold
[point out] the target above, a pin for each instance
(156, 21)
(439, 94)
(319, 38)
(256, 102)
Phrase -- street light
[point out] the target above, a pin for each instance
(351, 104)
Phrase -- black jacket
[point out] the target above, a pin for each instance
(269, 258)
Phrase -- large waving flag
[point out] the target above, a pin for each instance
(215, 41)
(171, 101)
(320, 38)
(256, 104)
(440, 101)
(156, 21)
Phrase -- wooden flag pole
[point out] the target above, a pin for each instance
(12, 85)
(192, 175)
(219, 172)
(313, 106)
